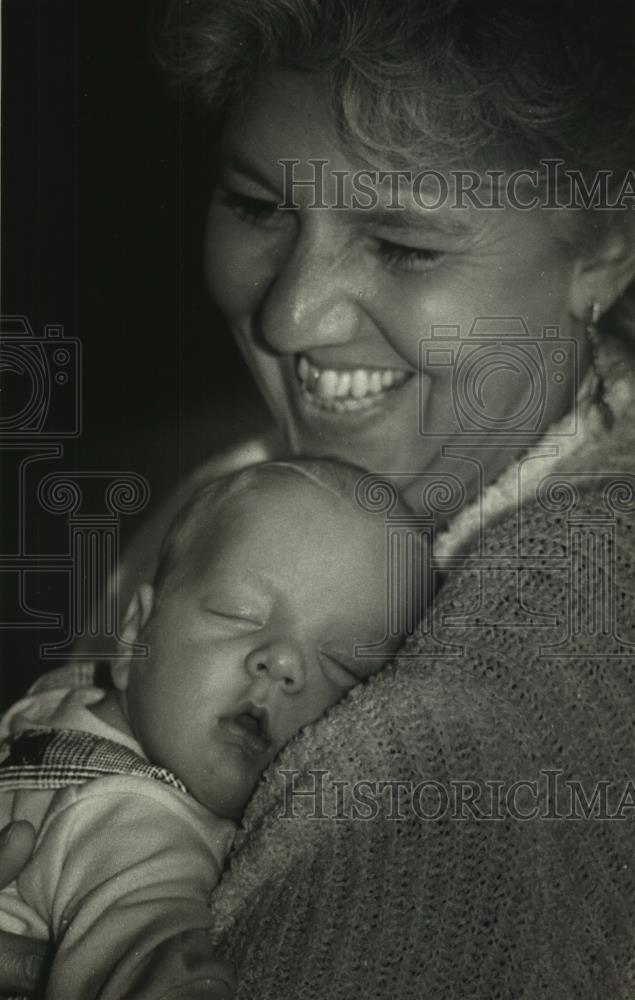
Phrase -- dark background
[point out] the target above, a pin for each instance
(106, 173)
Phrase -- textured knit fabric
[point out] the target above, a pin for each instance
(473, 901)
(124, 865)
(456, 901)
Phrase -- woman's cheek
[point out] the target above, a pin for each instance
(228, 269)
(239, 267)
(408, 312)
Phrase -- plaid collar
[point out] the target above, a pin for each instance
(54, 758)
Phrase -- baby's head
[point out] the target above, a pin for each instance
(267, 582)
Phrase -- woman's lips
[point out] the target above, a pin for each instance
(346, 390)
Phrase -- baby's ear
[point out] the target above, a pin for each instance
(138, 613)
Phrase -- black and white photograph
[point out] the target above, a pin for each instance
(317, 455)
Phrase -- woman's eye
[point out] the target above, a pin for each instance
(254, 211)
(408, 258)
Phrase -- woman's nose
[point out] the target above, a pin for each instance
(280, 662)
(314, 300)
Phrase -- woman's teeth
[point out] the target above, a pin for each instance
(349, 389)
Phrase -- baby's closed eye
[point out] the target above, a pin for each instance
(238, 616)
(343, 670)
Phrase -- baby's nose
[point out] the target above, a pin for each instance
(280, 661)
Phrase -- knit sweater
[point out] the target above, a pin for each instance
(488, 874)
(494, 875)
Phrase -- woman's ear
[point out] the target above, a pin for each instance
(137, 615)
(604, 275)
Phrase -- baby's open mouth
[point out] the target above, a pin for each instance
(251, 723)
(344, 390)
(249, 727)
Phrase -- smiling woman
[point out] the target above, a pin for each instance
(325, 302)
(477, 352)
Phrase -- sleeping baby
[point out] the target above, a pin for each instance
(267, 582)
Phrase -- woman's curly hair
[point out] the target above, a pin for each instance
(449, 80)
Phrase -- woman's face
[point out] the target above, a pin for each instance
(335, 308)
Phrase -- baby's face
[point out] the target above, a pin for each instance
(258, 638)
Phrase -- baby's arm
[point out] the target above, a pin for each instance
(123, 870)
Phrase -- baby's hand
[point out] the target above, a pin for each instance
(20, 957)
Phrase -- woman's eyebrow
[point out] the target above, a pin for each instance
(250, 171)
